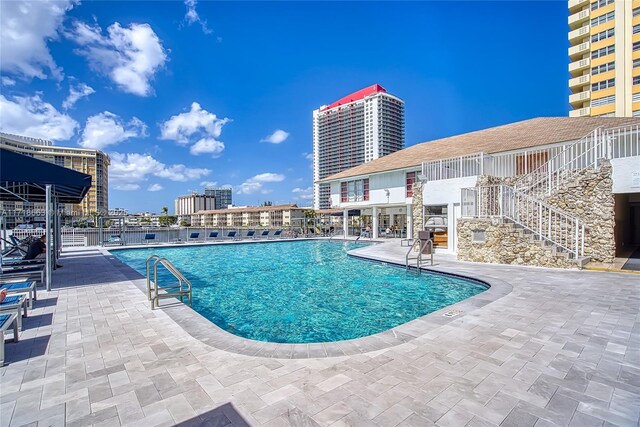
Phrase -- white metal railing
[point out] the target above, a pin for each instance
(564, 231)
(588, 152)
(456, 167)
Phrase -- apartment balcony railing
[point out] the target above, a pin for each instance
(576, 19)
(575, 52)
(579, 97)
(580, 112)
(578, 66)
(580, 81)
(576, 5)
(579, 33)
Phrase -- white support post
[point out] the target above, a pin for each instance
(345, 223)
(409, 221)
(375, 224)
(49, 248)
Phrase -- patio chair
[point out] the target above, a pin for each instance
(213, 235)
(277, 233)
(149, 238)
(232, 235)
(11, 274)
(114, 239)
(264, 234)
(28, 288)
(251, 234)
(15, 304)
(194, 236)
(6, 321)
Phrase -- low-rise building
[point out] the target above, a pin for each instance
(258, 216)
(528, 173)
(185, 206)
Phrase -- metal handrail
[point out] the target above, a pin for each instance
(184, 287)
(423, 244)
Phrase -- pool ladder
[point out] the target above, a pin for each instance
(425, 248)
(155, 291)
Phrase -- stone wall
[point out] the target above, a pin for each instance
(504, 244)
(588, 196)
(417, 208)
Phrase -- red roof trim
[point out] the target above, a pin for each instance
(355, 96)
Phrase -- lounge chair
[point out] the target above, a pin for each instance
(149, 237)
(114, 239)
(28, 288)
(277, 233)
(251, 234)
(213, 235)
(264, 234)
(194, 236)
(6, 321)
(231, 235)
(10, 274)
(15, 304)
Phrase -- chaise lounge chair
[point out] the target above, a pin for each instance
(278, 233)
(114, 239)
(149, 238)
(14, 274)
(28, 288)
(194, 237)
(15, 304)
(213, 235)
(6, 321)
(251, 234)
(264, 234)
(232, 235)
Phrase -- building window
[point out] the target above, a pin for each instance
(411, 178)
(605, 84)
(636, 11)
(603, 101)
(600, 3)
(636, 80)
(354, 191)
(603, 52)
(636, 46)
(602, 19)
(604, 35)
(603, 68)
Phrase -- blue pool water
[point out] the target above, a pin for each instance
(303, 291)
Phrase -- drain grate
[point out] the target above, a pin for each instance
(453, 313)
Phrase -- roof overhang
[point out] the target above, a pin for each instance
(23, 178)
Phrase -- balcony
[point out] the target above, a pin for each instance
(575, 52)
(576, 5)
(577, 19)
(580, 33)
(580, 112)
(579, 98)
(579, 81)
(580, 65)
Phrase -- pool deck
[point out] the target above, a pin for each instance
(541, 347)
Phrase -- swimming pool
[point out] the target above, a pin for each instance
(303, 291)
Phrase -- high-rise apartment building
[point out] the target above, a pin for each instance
(223, 196)
(604, 58)
(92, 162)
(356, 129)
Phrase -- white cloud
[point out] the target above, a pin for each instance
(276, 137)
(126, 187)
(75, 93)
(25, 29)
(255, 184)
(8, 81)
(192, 16)
(195, 124)
(106, 128)
(128, 169)
(207, 146)
(303, 193)
(155, 187)
(208, 184)
(130, 57)
(308, 156)
(31, 116)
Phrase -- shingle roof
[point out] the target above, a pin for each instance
(514, 136)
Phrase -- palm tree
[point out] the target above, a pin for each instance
(165, 210)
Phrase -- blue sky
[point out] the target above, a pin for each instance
(180, 94)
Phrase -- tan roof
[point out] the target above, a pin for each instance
(514, 136)
(252, 209)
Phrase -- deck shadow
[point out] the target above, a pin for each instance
(225, 415)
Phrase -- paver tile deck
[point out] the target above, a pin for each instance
(545, 347)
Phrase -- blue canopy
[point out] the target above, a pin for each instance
(25, 178)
